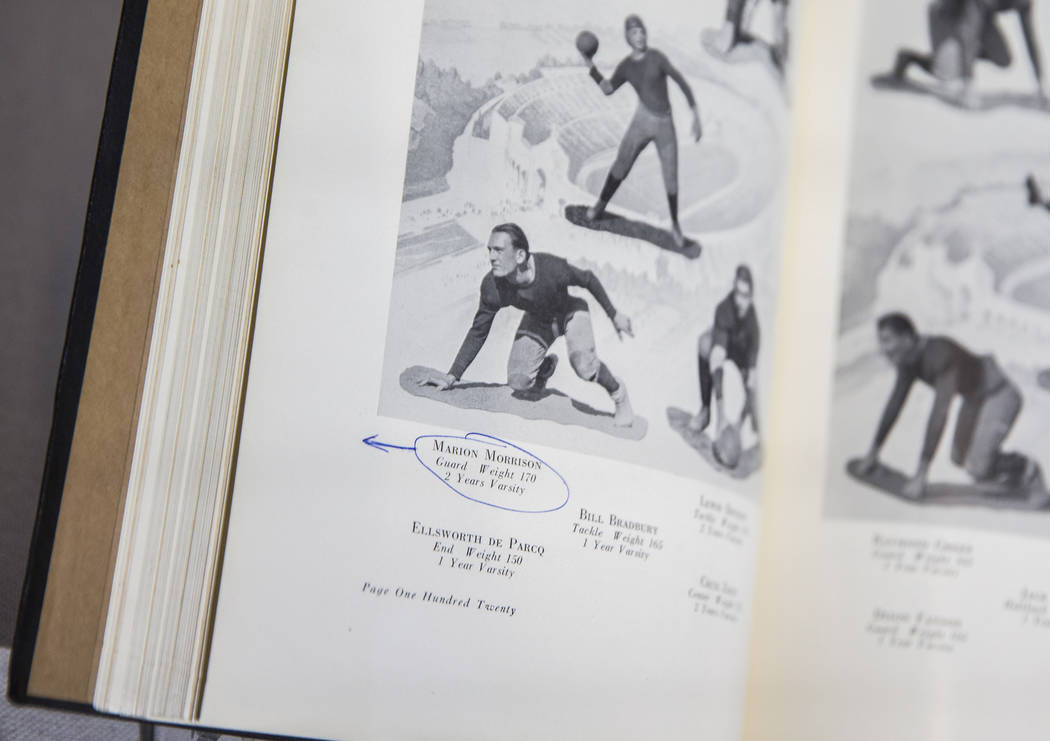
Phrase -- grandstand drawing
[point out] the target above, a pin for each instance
(726, 181)
(978, 264)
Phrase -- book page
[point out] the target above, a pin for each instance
(501, 456)
(903, 592)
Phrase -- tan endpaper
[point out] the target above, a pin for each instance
(65, 658)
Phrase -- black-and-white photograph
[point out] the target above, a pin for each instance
(941, 401)
(590, 229)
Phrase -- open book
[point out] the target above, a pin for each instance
(558, 369)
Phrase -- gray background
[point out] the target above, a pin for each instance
(54, 68)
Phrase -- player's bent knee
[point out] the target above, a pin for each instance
(519, 381)
(585, 363)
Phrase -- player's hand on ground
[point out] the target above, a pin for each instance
(869, 462)
(623, 325)
(1035, 194)
(751, 400)
(443, 381)
(915, 488)
(969, 99)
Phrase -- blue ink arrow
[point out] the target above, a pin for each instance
(372, 442)
(549, 500)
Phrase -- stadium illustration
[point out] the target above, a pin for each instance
(521, 147)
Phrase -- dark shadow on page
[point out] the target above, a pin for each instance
(548, 404)
(983, 102)
(621, 225)
(995, 496)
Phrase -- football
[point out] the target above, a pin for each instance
(587, 43)
(727, 447)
